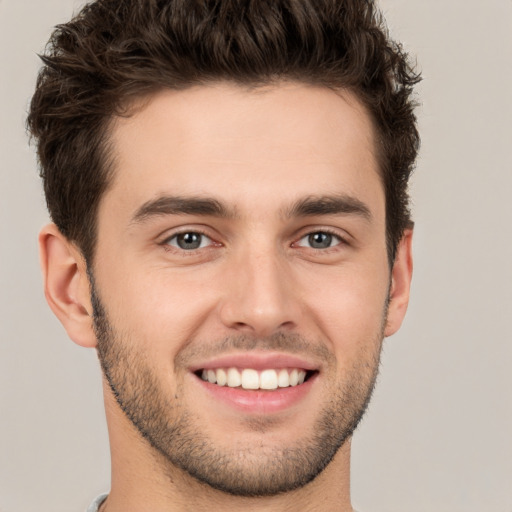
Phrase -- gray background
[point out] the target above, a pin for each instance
(438, 433)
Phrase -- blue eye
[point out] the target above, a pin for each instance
(319, 240)
(189, 241)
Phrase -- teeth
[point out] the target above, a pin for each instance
(251, 379)
(268, 379)
(234, 378)
(212, 376)
(222, 378)
(283, 379)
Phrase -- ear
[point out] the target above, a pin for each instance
(66, 285)
(401, 276)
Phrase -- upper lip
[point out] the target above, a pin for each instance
(257, 361)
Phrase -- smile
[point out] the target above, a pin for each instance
(251, 379)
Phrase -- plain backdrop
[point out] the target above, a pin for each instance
(438, 434)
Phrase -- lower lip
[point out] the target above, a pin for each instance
(259, 401)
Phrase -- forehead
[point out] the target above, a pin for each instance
(252, 148)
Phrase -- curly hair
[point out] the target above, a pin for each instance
(113, 52)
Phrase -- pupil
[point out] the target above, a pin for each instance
(320, 240)
(189, 240)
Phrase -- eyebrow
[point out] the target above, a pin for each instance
(175, 205)
(329, 205)
(306, 207)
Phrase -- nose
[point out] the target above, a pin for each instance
(259, 295)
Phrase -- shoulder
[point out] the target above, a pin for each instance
(95, 505)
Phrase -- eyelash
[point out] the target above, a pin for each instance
(326, 231)
(166, 243)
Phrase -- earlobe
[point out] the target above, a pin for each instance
(66, 285)
(401, 277)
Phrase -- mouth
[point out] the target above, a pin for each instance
(252, 379)
(258, 383)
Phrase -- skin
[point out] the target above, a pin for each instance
(259, 153)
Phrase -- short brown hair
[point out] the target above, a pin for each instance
(116, 50)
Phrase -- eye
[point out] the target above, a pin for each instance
(189, 241)
(319, 240)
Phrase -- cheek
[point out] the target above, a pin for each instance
(157, 307)
(349, 306)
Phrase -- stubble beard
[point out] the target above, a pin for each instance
(251, 471)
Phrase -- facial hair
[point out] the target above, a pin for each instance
(165, 422)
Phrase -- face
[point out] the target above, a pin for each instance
(241, 280)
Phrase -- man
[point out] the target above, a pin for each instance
(228, 185)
